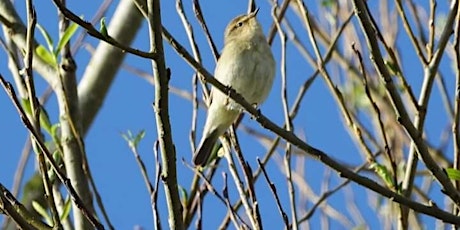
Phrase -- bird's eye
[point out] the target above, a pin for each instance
(240, 24)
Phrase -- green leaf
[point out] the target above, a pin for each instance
(127, 136)
(46, 56)
(58, 159)
(34, 184)
(183, 195)
(42, 211)
(67, 207)
(45, 120)
(139, 137)
(26, 106)
(383, 172)
(392, 67)
(103, 29)
(328, 3)
(453, 174)
(54, 132)
(68, 33)
(133, 140)
(48, 39)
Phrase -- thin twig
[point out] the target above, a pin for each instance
(279, 18)
(376, 110)
(247, 173)
(35, 109)
(410, 33)
(200, 18)
(140, 163)
(154, 199)
(191, 39)
(288, 122)
(101, 11)
(210, 188)
(239, 183)
(432, 29)
(441, 83)
(227, 201)
(92, 31)
(272, 187)
(456, 120)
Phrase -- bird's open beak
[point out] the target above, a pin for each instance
(254, 13)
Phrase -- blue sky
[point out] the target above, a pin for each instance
(128, 106)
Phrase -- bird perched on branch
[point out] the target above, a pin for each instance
(247, 66)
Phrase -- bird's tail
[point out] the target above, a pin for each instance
(204, 150)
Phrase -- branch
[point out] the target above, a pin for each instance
(168, 152)
(13, 208)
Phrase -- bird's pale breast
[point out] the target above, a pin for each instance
(250, 73)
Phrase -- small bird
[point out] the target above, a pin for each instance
(247, 66)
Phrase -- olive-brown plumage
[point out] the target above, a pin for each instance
(247, 66)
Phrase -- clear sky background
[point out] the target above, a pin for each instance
(128, 106)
